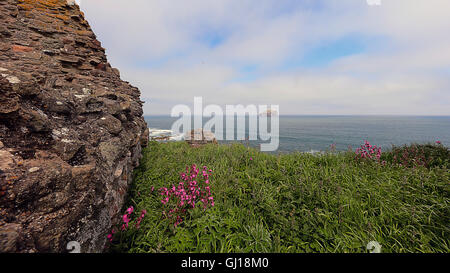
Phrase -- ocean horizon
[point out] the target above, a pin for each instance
(315, 133)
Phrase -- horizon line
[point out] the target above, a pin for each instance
(323, 115)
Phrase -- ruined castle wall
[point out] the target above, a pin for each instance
(71, 130)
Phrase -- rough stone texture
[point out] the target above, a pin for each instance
(198, 137)
(70, 130)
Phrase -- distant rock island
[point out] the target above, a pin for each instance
(198, 137)
(71, 130)
(269, 113)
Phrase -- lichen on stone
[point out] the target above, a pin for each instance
(68, 126)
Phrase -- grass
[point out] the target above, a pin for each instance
(289, 203)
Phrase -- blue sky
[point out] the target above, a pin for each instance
(328, 51)
(351, 57)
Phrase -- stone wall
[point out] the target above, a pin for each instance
(71, 130)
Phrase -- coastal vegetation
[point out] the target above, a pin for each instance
(244, 200)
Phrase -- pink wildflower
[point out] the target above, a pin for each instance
(130, 210)
(192, 188)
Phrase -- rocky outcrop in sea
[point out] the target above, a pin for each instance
(71, 130)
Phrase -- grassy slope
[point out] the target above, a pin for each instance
(290, 203)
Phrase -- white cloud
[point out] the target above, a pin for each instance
(157, 46)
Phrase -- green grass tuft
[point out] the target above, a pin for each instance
(290, 203)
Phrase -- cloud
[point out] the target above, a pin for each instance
(311, 57)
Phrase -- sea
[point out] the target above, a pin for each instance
(313, 134)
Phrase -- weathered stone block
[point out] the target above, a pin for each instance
(71, 130)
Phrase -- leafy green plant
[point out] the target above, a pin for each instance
(415, 155)
(290, 203)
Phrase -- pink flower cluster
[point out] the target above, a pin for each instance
(412, 156)
(110, 236)
(126, 218)
(193, 188)
(333, 147)
(141, 217)
(368, 151)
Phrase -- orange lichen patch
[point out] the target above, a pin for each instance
(51, 8)
(44, 3)
(62, 17)
(52, 3)
(25, 6)
(53, 15)
(84, 33)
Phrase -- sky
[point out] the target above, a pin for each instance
(310, 57)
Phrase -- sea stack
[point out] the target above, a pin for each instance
(199, 137)
(71, 130)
